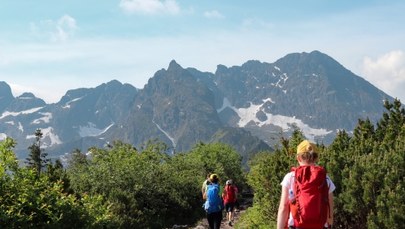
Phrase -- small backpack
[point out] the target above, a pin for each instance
(230, 194)
(309, 204)
(214, 201)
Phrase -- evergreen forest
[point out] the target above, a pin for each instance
(120, 186)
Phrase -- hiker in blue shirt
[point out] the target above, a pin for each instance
(214, 204)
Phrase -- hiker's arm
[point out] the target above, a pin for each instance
(330, 218)
(224, 193)
(283, 209)
(204, 190)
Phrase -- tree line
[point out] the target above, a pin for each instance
(120, 186)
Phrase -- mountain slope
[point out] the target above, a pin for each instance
(174, 107)
(310, 90)
(249, 107)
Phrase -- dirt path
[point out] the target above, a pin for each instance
(224, 224)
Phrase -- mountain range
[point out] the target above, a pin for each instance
(249, 107)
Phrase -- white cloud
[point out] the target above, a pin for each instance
(57, 31)
(387, 72)
(150, 6)
(213, 14)
(65, 28)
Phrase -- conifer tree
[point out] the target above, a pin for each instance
(390, 124)
(388, 210)
(37, 158)
(373, 189)
(335, 158)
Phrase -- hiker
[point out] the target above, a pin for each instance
(204, 186)
(315, 212)
(214, 204)
(229, 196)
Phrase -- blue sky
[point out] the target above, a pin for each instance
(48, 46)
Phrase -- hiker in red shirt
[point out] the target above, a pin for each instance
(229, 197)
(307, 193)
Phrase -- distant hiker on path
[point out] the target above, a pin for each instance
(229, 196)
(214, 204)
(296, 209)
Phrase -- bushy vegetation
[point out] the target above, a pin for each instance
(367, 167)
(30, 200)
(115, 187)
(123, 187)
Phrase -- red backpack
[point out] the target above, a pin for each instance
(310, 204)
(230, 195)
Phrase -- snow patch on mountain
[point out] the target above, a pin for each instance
(67, 104)
(47, 117)
(25, 97)
(49, 137)
(248, 115)
(49, 133)
(91, 130)
(285, 123)
(165, 133)
(281, 81)
(268, 100)
(3, 136)
(20, 127)
(30, 111)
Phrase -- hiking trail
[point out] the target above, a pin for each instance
(245, 203)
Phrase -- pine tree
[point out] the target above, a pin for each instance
(373, 187)
(389, 200)
(37, 158)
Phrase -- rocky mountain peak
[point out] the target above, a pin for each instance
(26, 101)
(114, 84)
(174, 67)
(5, 95)
(5, 90)
(221, 69)
(308, 63)
(26, 95)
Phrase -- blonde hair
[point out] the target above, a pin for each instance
(309, 157)
(307, 151)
